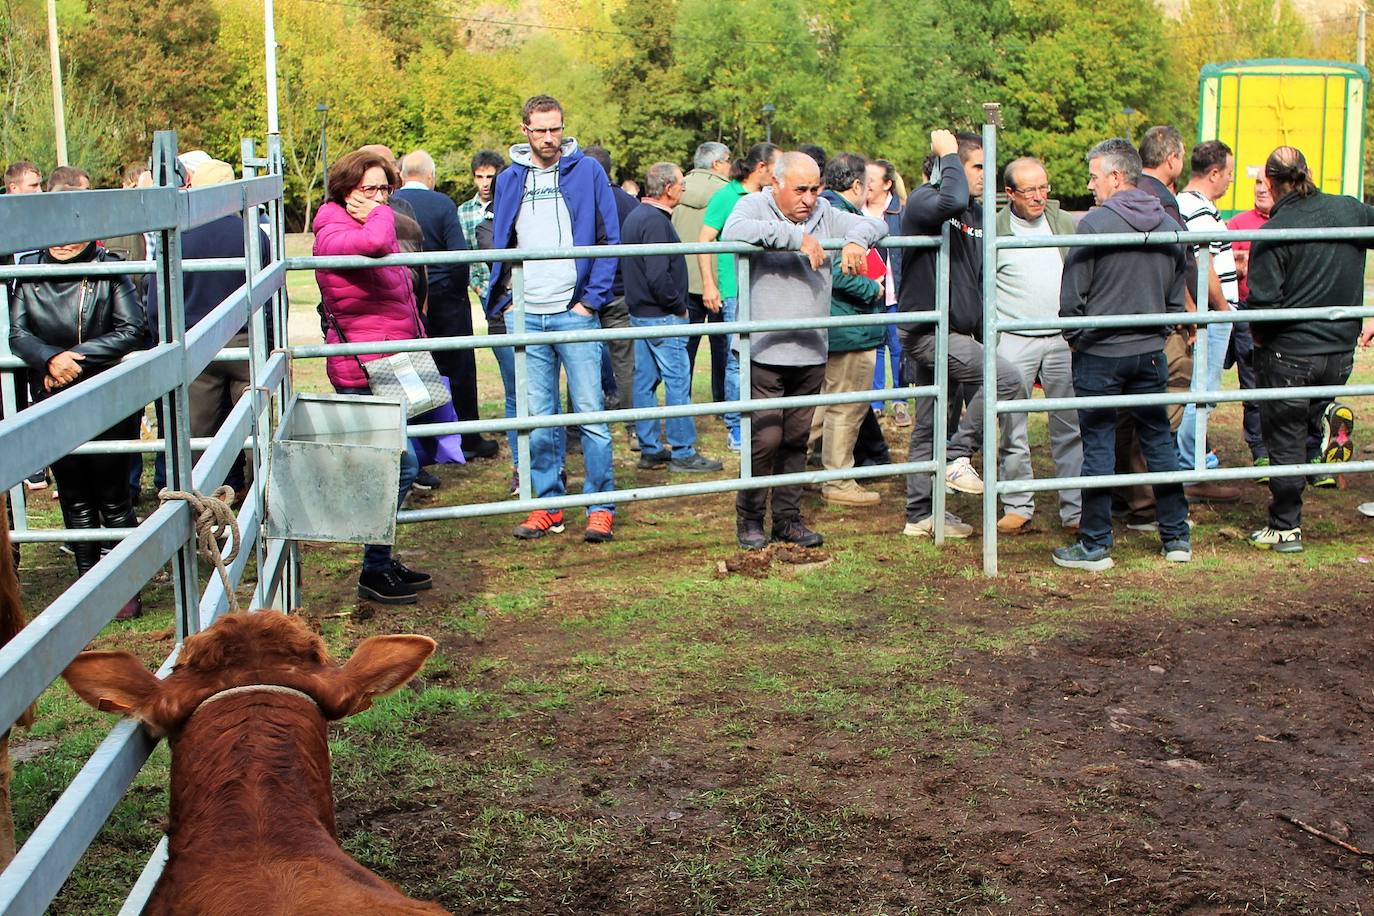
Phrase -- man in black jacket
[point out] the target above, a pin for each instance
(953, 196)
(656, 295)
(1132, 280)
(1292, 353)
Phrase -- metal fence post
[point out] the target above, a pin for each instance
(1201, 346)
(940, 426)
(993, 118)
(522, 379)
(746, 375)
(176, 402)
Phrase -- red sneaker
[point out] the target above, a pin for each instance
(599, 527)
(539, 524)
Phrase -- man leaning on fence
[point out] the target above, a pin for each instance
(1128, 280)
(1288, 354)
(552, 196)
(792, 280)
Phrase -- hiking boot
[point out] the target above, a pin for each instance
(1013, 523)
(732, 441)
(955, 527)
(1079, 556)
(1322, 480)
(420, 581)
(901, 415)
(850, 494)
(1279, 540)
(961, 476)
(750, 535)
(482, 448)
(425, 481)
(599, 527)
(794, 531)
(634, 439)
(1177, 551)
(1152, 526)
(1338, 422)
(695, 464)
(1211, 493)
(1262, 462)
(384, 586)
(540, 523)
(515, 483)
(654, 461)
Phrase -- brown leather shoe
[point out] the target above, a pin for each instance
(1013, 523)
(1211, 493)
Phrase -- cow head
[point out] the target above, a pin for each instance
(262, 648)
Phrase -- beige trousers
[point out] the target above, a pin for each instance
(837, 425)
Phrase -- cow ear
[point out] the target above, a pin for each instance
(380, 665)
(111, 681)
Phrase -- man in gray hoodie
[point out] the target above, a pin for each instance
(1130, 280)
(790, 280)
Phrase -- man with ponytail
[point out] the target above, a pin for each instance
(1312, 274)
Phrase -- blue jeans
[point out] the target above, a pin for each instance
(1147, 373)
(664, 359)
(505, 361)
(582, 362)
(892, 349)
(1218, 339)
(377, 557)
(730, 308)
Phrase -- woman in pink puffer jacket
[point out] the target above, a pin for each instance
(369, 304)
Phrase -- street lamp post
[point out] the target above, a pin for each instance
(768, 109)
(323, 111)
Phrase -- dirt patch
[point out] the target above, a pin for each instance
(759, 564)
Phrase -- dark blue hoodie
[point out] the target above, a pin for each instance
(586, 191)
(1129, 280)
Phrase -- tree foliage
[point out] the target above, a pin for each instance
(649, 79)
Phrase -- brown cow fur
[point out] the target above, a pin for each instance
(11, 622)
(251, 826)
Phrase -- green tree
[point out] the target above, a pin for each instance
(156, 62)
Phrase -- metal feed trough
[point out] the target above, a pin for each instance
(332, 469)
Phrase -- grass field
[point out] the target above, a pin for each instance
(662, 725)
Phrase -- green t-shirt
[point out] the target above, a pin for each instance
(718, 210)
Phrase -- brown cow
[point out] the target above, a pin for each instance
(251, 826)
(11, 622)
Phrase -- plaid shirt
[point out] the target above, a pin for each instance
(470, 213)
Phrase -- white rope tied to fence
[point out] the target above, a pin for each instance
(215, 523)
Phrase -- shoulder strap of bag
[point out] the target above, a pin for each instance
(329, 317)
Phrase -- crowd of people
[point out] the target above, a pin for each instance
(551, 194)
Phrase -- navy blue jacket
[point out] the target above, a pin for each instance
(624, 206)
(587, 193)
(201, 292)
(655, 286)
(438, 219)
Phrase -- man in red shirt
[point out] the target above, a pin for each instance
(1242, 344)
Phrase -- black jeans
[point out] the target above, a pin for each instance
(779, 443)
(1146, 373)
(1286, 423)
(698, 314)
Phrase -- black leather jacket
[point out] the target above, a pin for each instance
(98, 317)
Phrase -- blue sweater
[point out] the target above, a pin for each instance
(587, 193)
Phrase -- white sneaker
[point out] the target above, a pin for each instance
(962, 477)
(955, 527)
(1279, 540)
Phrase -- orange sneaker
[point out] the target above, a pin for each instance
(539, 524)
(599, 527)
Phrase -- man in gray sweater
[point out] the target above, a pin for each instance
(791, 280)
(1127, 280)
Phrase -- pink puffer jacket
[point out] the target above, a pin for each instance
(369, 304)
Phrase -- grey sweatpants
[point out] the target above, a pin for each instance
(1048, 360)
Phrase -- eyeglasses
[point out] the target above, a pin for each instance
(373, 190)
(1037, 191)
(546, 131)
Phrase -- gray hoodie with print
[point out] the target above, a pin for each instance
(781, 281)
